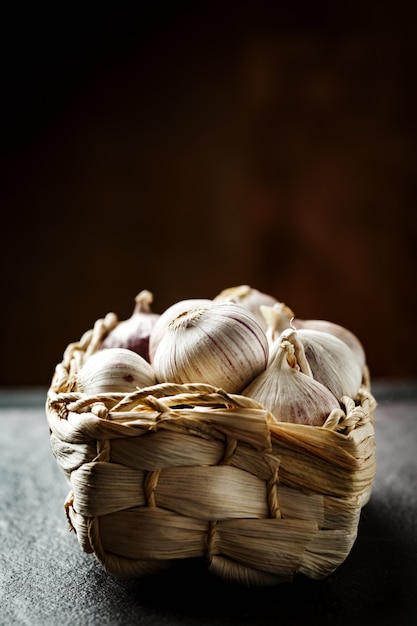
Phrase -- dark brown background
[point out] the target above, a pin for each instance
(194, 148)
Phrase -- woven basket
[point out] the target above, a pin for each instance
(176, 472)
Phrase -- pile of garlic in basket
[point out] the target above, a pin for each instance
(243, 342)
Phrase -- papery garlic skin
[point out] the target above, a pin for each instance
(278, 318)
(250, 298)
(221, 344)
(167, 316)
(332, 362)
(114, 370)
(339, 331)
(289, 394)
(134, 332)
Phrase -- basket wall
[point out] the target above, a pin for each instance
(183, 471)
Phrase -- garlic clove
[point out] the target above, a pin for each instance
(278, 317)
(332, 362)
(289, 394)
(250, 298)
(114, 370)
(167, 316)
(134, 332)
(221, 344)
(339, 331)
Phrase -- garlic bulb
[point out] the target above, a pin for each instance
(339, 331)
(167, 316)
(114, 370)
(332, 362)
(134, 332)
(250, 298)
(289, 394)
(221, 344)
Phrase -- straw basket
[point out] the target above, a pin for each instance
(176, 472)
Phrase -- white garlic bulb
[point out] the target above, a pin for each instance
(289, 394)
(221, 344)
(114, 370)
(332, 362)
(250, 298)
(339, 331)
(167, 316)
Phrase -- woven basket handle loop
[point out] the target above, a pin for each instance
(367, 400)
(101, 328)
(334, 419)
(356, 413)
(166, 392)
(100, 409)
(155, 404)
(55, 399)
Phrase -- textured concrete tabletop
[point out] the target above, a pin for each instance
(46, 580)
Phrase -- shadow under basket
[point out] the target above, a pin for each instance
(175, 472)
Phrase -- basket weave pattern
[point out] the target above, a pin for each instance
(182, 471)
